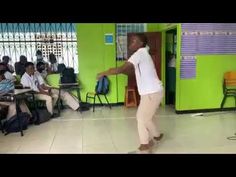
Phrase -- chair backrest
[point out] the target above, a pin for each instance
(230, 78)
(102, 86)
(53, 80)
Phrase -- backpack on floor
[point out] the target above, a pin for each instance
(12, 125)
(43, 116)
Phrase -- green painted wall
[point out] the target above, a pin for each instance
(205, 92)
(95, 57)
(122, 81)
(152, 27)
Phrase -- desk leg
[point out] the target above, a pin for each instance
(78, 95)
(58, 103)
(36, 110)
(18, 117)
(79, 98)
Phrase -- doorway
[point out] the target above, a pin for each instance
(170, 66)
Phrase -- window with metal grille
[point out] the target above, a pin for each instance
(121, 37)
(18, 39)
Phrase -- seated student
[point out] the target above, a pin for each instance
(7, 74)
(6, 86)
(29, 79)
(71, 101)
(39, 57)
(54, 65)
(20, 66)
(5, 60)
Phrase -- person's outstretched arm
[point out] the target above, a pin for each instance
(112, 71)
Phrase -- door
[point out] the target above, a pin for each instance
(154, 43)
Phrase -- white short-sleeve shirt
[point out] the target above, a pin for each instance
(145, 72)
(9, 76)
(30, 81)
(39, 78)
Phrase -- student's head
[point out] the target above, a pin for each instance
(23, 59)
(29, 68)
(52, 58)
(39, 53)
(5, 59)
(137, 41)
(40, 67)
(3, 67)
(2, 77)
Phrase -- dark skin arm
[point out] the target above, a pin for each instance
(113, 71)
(42, 91)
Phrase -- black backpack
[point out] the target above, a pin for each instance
(3, 111)
(41, 116)
(12, 125)
(61, 67)
(68, 76)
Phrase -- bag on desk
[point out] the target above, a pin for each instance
(6, 86)
(68, 76)
(12, 125)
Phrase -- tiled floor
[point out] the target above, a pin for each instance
(115, 131)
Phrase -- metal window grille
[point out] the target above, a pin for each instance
(26, 38)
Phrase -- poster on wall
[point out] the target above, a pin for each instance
(109, 39)
(206, 39)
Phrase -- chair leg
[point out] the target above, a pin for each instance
(62, 106)
(1, 126)
(107, 101)
(94, 99)
(87, 98)
(235, 100)
(223, 102)
(100, 100)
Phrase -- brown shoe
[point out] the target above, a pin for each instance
(151, 143)
(159, 137)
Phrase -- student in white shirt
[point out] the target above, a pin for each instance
(53, 66)
(149, 87)
(12, 105)
(7, 74)
(29, 79)
(71, 101)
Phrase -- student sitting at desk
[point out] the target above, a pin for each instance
(30, 80)
(6, 86)
(8, 75)
(71, 101)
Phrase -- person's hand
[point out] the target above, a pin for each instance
(49, 91)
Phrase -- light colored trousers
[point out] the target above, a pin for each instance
(71, 101)
(146, 111)
(12, 108)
